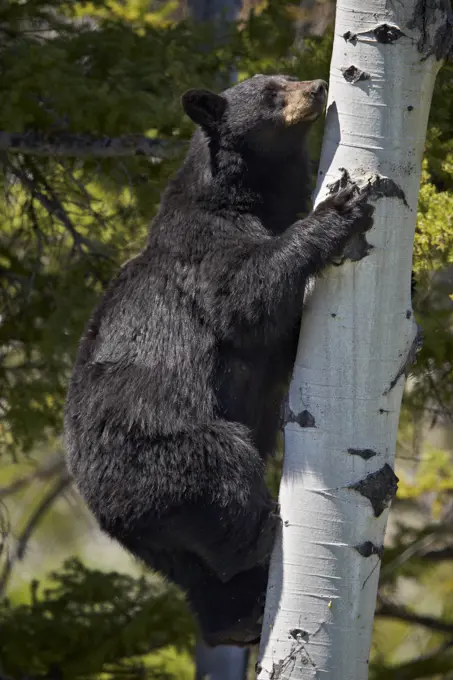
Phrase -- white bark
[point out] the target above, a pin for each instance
(357, 333)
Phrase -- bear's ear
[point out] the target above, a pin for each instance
(203, 107)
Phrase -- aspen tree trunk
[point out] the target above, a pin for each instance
(358, 336)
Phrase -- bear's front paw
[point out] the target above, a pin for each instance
(351, 203)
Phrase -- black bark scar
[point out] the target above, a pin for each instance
(303, 419)
(381, 187)
(424, 16)
(368, 548)
(352, 74)
(386, 33)
(409, 360)
(366, 454)
(379, 487)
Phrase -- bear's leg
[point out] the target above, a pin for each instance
(228, 613)
(224, 513)
(229, 540)
(199, 491)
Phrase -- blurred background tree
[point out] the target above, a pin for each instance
(90, 130)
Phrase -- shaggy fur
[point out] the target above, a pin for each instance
(174, 400)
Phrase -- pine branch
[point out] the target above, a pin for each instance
(33, 181)
(43, 506)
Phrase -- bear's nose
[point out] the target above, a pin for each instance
(318, 87)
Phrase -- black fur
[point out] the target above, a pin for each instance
(174, 401)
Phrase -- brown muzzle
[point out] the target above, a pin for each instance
(304, 100)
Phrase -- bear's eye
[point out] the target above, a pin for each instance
(271, 94)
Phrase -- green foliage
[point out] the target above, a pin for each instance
(88, 621)
(433, 259)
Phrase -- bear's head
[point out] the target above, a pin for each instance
(258, 112)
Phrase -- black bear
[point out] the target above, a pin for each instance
(174, 401)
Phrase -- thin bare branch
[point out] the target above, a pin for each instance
(52, 206)
(89, 199)
(45, 504)
(55, 465)
(389, 610)
(50, 201)
(438, 555)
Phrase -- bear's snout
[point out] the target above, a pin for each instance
(304, 100)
